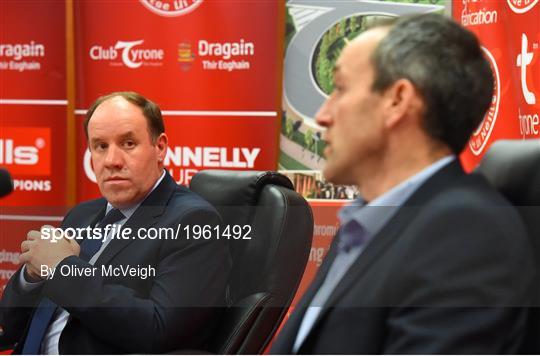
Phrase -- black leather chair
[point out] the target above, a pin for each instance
(513, 167)
(268, 268)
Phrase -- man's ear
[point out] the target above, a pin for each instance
(161, 146)
(402, 102)
(91, 161)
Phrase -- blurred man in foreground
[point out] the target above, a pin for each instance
(129, 294)
(432, 260)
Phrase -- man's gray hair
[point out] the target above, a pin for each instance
(447, 66)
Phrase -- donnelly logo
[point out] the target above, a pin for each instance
(481, 136)
(128, 53)
(521, 6)
(180, 157)
(171, 8)
(26, 150)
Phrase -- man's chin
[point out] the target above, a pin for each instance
(118, 199)
(334, 176)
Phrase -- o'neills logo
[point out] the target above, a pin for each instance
(521, 6)
(26, 150)
(481, 136)
(171, 8)
(128, 53)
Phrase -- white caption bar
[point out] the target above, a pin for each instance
(32, 102)
(30, 218)
(206, 113)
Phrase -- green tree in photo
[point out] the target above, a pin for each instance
(308, 139)
(333, 42)
(290, 29)
(289, 128)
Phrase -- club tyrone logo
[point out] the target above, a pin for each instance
(128, 53)
(171, 8)
(480, 137)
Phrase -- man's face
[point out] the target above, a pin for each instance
(352, 114)
(126, 162)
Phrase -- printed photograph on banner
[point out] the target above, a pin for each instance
(508, 32)
(312, 185)
(315, 34)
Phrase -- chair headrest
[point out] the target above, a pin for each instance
(222, 187)
(235, 194)
(513, 168)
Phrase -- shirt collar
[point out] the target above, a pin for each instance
(131, 209)
(374, 215)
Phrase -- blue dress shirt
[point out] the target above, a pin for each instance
(360, 222)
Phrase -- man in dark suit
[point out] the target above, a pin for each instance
(133, 294)
(432, 260)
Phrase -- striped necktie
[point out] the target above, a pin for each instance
(89, 246)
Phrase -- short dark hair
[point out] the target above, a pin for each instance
(446, 64)
(150, 110)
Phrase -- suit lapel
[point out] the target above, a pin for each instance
(391, 232)
(373, 250)
(146, 216)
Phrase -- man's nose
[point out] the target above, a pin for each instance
(114, 158)
(323, 117)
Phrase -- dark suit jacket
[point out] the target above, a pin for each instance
(445, 275)
(175, 309)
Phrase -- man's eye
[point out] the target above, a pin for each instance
(100, 146)
(129, 144)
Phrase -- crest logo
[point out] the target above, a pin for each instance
(521, 6)
(185, 56)
(171, 8)
(481, 136)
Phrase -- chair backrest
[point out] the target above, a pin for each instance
(513, 168)
(267, 269)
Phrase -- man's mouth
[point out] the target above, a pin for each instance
(115, 179)
(327, 149)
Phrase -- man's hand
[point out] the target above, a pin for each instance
(38, 251)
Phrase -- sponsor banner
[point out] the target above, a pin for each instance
(32, 112)
(184, 55)
(235, 143)
(510, 35)
(212, 66)
(33, 102)
(32, 149)
(33, 50)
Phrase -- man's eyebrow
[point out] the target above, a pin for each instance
(336, 69)
(95, 140)
(129, 134)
